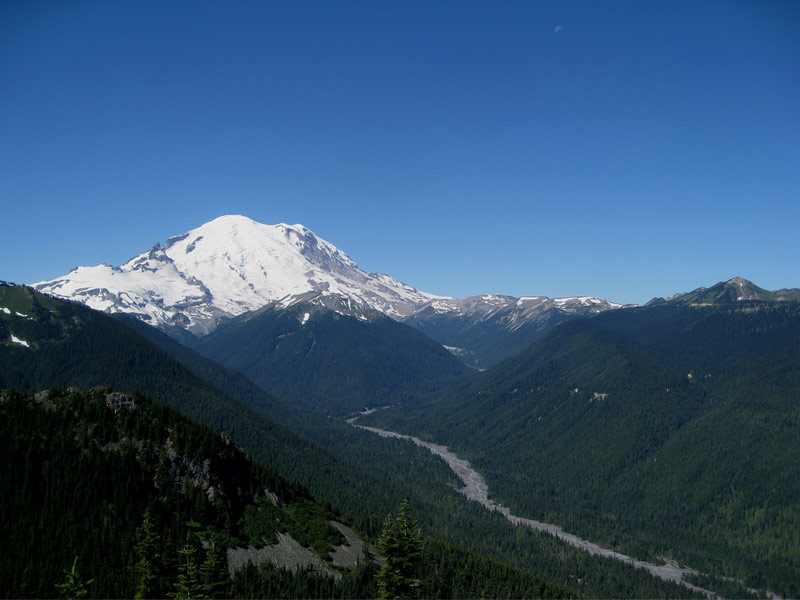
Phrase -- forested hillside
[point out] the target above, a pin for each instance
(120, 497)
(331, 362)
(356, 473)
(140, 500)
(670, 430)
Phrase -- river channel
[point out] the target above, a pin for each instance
(475, 489)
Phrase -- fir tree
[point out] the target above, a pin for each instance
(73, 586)
(147, 557)
(188, 584)
(212, 572)
(400, 546)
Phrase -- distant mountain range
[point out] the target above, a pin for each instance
(484, 330)
(233, 265)
(733, 290)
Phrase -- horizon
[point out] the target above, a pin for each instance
(625, 151)
(163, 243)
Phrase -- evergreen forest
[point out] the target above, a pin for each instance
(667, 431)
(296, 467)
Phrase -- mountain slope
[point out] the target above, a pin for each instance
(360, 474)
(340, 359)
(366, 483)
(87, 473)
(667, 430)
(733, 290)
(68, 344)
(485, 330)
(224, 268)
(142, 501)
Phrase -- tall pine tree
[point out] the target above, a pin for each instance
(148, 557)
(73, 587)
(400, 546)
(188, 584)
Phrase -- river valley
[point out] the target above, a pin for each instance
(475, 489)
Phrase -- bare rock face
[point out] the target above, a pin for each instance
(354, 551)
(286, 554)
(117, 401)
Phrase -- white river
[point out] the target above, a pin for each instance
(475, 489)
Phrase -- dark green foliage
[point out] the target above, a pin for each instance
(232, 382)
(447, 571)
(214, 578)
(187, 584)
(73, 586)
(109, 484)
(266, 581)
(148, 563)
(260, 523)
(333, 362)
(74, 345)
(724, 586)
(400, 546)
(308, 524)
(359, 475)
(669, 430)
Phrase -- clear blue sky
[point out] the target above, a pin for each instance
(619, 149)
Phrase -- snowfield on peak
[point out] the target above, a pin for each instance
(233, 265)
(226, 267)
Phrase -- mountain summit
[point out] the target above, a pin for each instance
(233, 265)
(226, 267)
(736, 289)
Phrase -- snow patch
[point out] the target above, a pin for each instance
(5, 310)
(306, 317)
(16, 340)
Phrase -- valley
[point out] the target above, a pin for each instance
(354, 474)
(476, 490)
(400, 300)
(657, 430)
(663, 430)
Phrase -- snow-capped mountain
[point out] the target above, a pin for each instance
(233, 265)
(226, 267)
(514, 312)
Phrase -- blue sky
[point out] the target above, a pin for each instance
(619, 149)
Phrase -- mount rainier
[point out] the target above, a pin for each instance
(233, 265)
(224, 268)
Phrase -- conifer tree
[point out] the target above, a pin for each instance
(147, 557)
(188, 583)
(73, 586)
(212, 572)
(400, 546)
